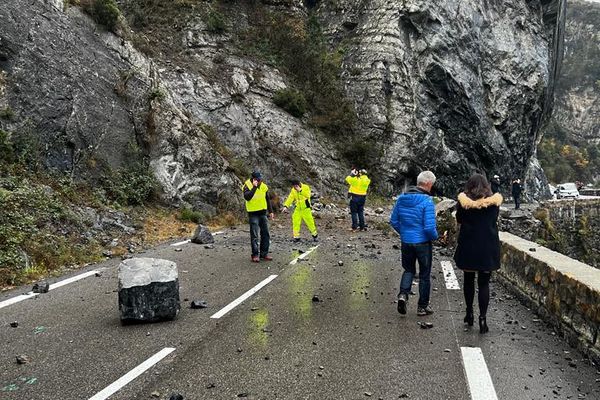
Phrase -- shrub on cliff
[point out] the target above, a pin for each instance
(292, 101)
(104, 12)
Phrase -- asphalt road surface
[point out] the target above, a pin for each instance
(282, 342)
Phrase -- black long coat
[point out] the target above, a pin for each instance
(478, 242)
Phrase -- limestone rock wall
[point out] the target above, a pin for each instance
(450, 86)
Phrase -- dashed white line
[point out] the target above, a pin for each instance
(131, 375)
(478, 376)
(303, 255)
(243, 297)
(450, 276)
(53, 286)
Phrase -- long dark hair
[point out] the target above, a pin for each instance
(477, 187)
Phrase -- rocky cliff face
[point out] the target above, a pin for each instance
(577, 109)
(450, 86)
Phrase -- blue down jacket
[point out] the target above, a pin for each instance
(413, 217)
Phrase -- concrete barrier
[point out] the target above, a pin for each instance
(563, 291)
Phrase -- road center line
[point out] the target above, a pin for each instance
(131, 375)
(243, 297)
(478, 376)
(449, 276)
(303, 255)
(53, 286)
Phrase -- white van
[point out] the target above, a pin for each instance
(567, 190)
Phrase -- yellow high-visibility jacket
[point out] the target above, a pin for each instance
(258, 202)
(358, 184)
(301, 198)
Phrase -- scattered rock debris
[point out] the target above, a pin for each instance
(198, 304)
(23, 359)
(41, 287)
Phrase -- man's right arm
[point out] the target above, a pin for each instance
(430, 224)
(395, 218)
(249, 193)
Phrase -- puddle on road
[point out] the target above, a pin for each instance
(300, 288)
(258, 324)
(360, 285)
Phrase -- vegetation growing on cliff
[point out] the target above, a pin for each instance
(49, 222)
(563, 160)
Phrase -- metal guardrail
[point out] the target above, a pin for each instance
(589, 192)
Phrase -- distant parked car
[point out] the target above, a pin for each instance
(567, 190)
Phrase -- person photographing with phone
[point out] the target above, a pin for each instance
(359, 184)
(258, 206)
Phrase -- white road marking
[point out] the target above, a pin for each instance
(243, 297)
(478, 376)
(53, 286)
(303, 255)
(131, 375)
(449, 276)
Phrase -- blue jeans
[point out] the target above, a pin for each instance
(357, 208)
(259, 223)
(411, 253)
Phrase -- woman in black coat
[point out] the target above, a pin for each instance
(478, 249)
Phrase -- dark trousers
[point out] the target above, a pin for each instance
(357, 210)
(483, 283)
(517, 201)
(259, 226)
(411, 253)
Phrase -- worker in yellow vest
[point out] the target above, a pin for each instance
(359, 185)
(300, 197)
(257, 206)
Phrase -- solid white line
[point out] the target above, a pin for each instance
(182, 243)
(17, 299)
(72, 279)
(478, 376)
(131, 375)
(243, 297)
(449, 276)
(303, 255)
(53, 286)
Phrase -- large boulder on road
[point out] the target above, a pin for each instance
(148, 290)
(202, 235)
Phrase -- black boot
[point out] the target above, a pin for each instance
(483, 328)
(469, 318)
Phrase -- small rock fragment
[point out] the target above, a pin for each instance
(198, 304)
(155, 394)
(178, 249)
(14, 324)
(315, 299)
(41, 287)
(176, 396)
(22, 359)
(340, 263)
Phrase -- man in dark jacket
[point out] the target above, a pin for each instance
(413, 218)
(495, 184)
(516, 193)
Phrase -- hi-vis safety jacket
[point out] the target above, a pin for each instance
(358, 184)
(301, 198)
(258, 202)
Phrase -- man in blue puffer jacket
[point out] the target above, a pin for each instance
(414, 219)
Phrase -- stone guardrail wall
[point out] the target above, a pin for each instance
(572, 227)
(563, 291)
